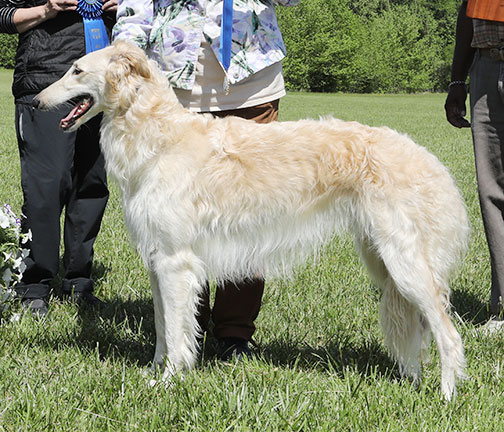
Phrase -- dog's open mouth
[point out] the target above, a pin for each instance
(82, 105)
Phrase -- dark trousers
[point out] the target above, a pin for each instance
(236, 306)
(487, 124)
(59, 171)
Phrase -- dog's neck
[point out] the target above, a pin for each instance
(149, 116)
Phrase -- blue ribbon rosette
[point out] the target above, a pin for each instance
(94, 27)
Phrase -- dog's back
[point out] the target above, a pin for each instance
(313, 178)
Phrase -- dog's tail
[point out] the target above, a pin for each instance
(412, 246)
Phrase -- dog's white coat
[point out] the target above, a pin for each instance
(228, 198)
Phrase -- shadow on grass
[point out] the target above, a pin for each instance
(120, 329)
(470, 308)
(125, 330)
(335, 357)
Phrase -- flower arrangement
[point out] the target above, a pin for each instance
(12, 253)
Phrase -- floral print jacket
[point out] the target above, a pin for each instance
(171, 31)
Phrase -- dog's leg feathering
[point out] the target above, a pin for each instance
(404, 335)
(413, 280)
(176, 284)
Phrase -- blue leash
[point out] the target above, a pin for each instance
(226, 38)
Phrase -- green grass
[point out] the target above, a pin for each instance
(321, 366)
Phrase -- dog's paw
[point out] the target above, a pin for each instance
(152, 376)
(166, 382)
(158, 375)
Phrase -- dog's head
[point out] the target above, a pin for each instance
(103, 80)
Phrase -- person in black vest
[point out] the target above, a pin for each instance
(58, 170)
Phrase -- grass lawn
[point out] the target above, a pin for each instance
(321, 364)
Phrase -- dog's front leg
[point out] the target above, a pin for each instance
(176, 284)
(161, 349)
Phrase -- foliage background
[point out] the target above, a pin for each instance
(357, 46)
(367, 46)
(8, 45)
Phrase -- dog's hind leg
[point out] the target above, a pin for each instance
(403, 330)
(177, 284)
(412, 279)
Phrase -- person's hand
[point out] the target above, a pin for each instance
(455, 106)
(109, 6)
(52, 7)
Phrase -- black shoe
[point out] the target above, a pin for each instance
(81, 298)
(230, 347)
(37, 307)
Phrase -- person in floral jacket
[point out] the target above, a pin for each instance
(184, 38)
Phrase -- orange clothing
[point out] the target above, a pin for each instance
(491, 10)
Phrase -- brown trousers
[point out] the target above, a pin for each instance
(236, 306)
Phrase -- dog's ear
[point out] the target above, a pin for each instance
(128, 64)
(128, 60)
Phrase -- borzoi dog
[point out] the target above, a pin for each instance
(209, 198)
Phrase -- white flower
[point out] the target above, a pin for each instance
(26, 237)
(4, 220)
(17, 263)
(12, 256)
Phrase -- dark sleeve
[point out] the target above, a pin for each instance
(7, 18)
(464, 53)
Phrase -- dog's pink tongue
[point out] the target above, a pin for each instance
(64, 122)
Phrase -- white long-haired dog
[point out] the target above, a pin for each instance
(228, 198)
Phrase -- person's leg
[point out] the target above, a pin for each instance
(46, 156)
(85, 206)
(487, 124)
(236, 306)
(264, 113)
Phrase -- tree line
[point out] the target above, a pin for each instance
(358, 46)
(367, 46)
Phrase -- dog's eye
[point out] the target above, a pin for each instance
(77, 71)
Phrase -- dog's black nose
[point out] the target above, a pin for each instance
(35, 103)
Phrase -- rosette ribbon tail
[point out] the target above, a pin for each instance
(226, 39)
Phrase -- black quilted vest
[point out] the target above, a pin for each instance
(45, 52)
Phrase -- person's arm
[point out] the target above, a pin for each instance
(6, 19)
(19, 20)
(455, 105)
(110, 6)
(134, 21)
(27, 18)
